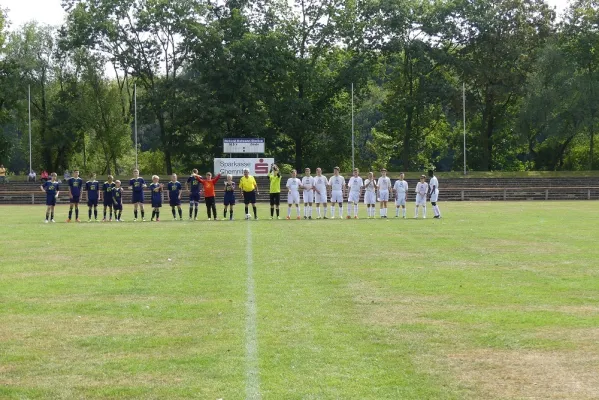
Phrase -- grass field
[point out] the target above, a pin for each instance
(495, 301)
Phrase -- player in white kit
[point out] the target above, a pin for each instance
(433, 186)
(421, 191)
(401, 195)
(293, 197)
(337, 184)
(355, 186)
(308, 185)
(320, 192)
(370, 195)
(384, 186)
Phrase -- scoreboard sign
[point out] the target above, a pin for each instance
(235, 166)
(251, 146)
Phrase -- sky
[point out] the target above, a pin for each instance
(50, 11)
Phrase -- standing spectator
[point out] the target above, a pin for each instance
(32, 176)
(44, 176)
(2, 174)
(249, 189)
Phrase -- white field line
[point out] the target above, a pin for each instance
(252, 383)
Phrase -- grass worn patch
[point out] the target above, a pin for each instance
(495, 301)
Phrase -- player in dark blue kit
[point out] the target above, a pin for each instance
(107, 196)
(194, 194)
(75, 186)
(174, 196)
(117, 199)
(156, 189)
(92, 187)
(229, 199)
(52, 189)
(137, 183)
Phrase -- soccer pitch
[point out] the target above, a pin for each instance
(495, 301)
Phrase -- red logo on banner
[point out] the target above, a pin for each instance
(261, 167)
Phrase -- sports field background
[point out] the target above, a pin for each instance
(495, 301)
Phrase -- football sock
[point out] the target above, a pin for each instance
(47, 215)
(180, 213)
(404, 211)
(95, 213)
(424, 211)
(437, 211)
(157, 214)
(348, 208)
(153, 214)
(416, 212)
(190, 211)
(355, 210)
(70, 212)
(104, 212)
(397, 211)
(143, 213)
(325, 211)
(52, 215)
(111, 213)
(225, 213)
(272, 211)
(246, 210)
(298, 210)
(255, 211)
(340, 211)
(195, 212)
(89, 213)
(231, 215)
(289, 211)
(76, 212)
(135, 214)
(119, 217)
(173, 211)
(278, 213)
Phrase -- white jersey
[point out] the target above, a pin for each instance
(337, 183)
(320, 183)
(434, 182)
(400, 187)
(293, 184)
(384, 183)
(369, 185)
(355, 184)
(422, 188)
(308, 183)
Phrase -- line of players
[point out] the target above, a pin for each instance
(315, 190)
(110, 194)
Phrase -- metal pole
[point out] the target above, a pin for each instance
(135, 117)
(464, 112)
(353, 153)
(30, 152)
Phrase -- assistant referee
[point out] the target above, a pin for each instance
(249, 189)
(275, 190)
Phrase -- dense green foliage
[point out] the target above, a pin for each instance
(283, 71)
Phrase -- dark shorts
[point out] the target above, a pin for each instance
(108, 203)
(275, 199)
(91, 203)
(51, 202)
(118, 207)
(156, 204)
(249, 197)
(229, 199)
(138, 197)
(174, 202)
(75, 200)
(194, 197)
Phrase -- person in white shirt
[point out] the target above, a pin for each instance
(384, 186)
(370, 194)
(433, 185)
(320, 189)
(293, 187)
(308, 185)
(401, 195)
(337, 184)
(421, 191)
(355, 186)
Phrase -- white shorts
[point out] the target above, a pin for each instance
(401, 201)
(353, 197)
(293, 198)
(435, 196)
(420, 200)
(308, 196)
(336, 196)
(320, 198)
(369, 198)
(384, 195)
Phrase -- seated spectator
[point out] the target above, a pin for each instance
(2, 174)
(44, 176)
(32, 176)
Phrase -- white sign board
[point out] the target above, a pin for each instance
(235, 166)
(251, 146)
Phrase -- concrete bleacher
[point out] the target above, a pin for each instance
(456, 189)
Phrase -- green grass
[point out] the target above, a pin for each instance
(495, 301)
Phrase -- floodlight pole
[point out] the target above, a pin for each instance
(464, 122)
(30, 151)
(135, 118)
(353, 152)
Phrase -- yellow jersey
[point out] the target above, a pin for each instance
(275, 182)
(247, 184)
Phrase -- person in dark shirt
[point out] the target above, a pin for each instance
(107, 196)
(137, 184)
(194, 187)
(75, 186)
(117, 199)
(174, 196)
(92, 187)
(156, 189)
(52, 189)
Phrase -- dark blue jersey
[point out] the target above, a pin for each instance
(107, 189)
(75, 184)
(117, 195)
(194, 185)
(51, 189)
(92, 188)
(137, 184)
(229, 186)
(174, 189)
(156, 192)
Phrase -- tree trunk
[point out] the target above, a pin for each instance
(592, 147)
(165, 142)
(406, 150)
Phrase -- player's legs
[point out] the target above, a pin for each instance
(255, 210)
(173, 211)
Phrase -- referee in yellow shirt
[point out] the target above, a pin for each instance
(275, 190)
(249, 189)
